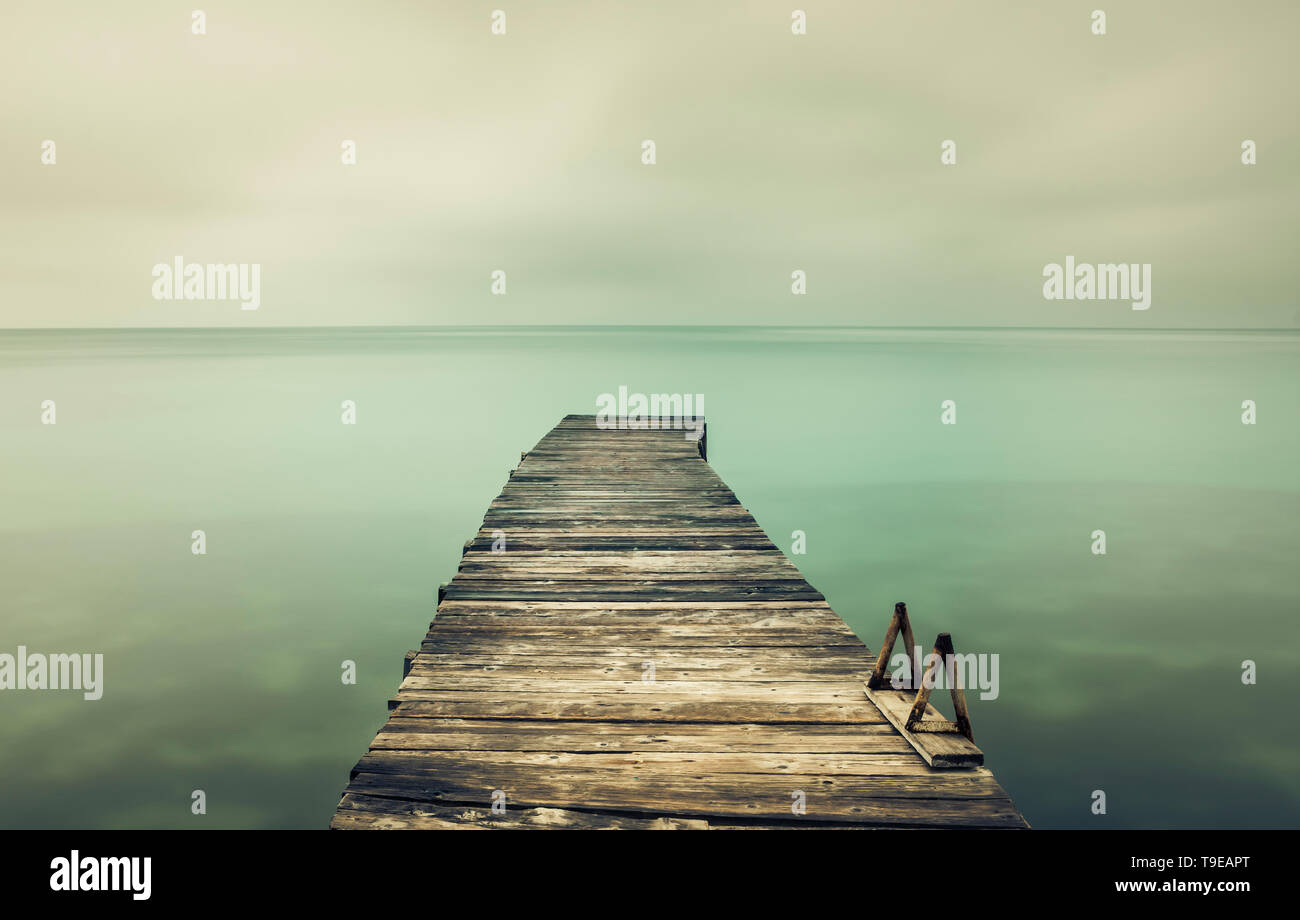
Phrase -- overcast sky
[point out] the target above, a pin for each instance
(775, 152)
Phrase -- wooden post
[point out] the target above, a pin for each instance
(958, 694)
(913, 652)
(898, 622)
(927, 683)
(944, 657)
(876, 681)
(407, 661)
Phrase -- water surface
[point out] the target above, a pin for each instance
(326, 542)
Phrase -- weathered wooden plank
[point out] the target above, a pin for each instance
(794, 608)
(659, 590)
(362, 812)
(474, 635)
(903, 763)
(645, 667)
(967, 801)
(400, 733)
(821, 659)
(580, 619)
(613, 707)
(791, 691)
(638, 630)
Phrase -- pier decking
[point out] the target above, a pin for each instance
(638, 654)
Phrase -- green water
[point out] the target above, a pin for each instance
(326, 542)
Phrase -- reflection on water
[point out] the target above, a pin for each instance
(326, 542)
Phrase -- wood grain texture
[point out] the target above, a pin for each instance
(624, 648)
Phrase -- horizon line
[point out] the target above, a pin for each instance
(647, 326)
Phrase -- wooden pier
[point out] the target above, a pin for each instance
(623, 647)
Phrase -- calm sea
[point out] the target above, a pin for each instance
(326, 542)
